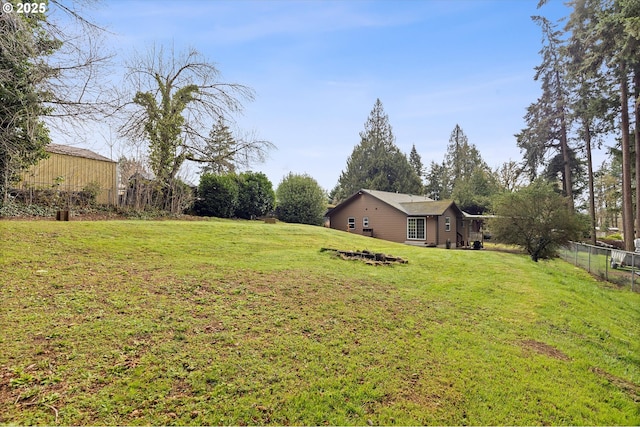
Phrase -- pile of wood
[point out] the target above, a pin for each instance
(368, 257)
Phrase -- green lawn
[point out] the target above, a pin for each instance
(235, 322)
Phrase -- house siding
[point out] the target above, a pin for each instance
(454, 228)
(74, 173)
(386, 222)
(432, 230)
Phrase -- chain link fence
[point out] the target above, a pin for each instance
(612, 265)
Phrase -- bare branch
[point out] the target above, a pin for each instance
(172, 99)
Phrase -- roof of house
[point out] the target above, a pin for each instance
(433, 207)
(410, 204)
(395, 199)
(75, 151)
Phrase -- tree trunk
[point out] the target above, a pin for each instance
(636, 134)
(564, 147)
(592, 203)
(627, 205)
(566, 159)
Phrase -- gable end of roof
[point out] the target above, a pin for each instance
(408, 204)
(76, 152)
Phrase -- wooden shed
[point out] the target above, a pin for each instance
(72, 169)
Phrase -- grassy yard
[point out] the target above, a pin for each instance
(228, 322)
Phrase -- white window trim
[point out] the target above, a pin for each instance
(447, 223)
(365, 222)
(351, 223)
(424, 219)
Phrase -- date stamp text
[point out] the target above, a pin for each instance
(26, 8)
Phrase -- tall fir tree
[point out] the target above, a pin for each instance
(548, 119)
(219, 149)
(593, 97)
(462, 158)
(619, 40)
(416, 162)
(463, 175)
(377, 163)
(438, 185)
(458, 143)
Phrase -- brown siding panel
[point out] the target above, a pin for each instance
(387, 222)
(432, 230)
(451, 234)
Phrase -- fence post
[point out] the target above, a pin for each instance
(589, 261)
(633, 269)
(575, 262)
(606, 264)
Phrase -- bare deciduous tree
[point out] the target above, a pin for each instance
(173, 101)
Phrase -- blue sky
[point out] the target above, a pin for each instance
(317, 68)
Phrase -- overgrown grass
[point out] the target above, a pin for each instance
(232, 322)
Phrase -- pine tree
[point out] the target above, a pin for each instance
(438, 186)
(416, 162)
(219, 149)
(548, 118)
(593, 100)
(377, 163)
(464, 175)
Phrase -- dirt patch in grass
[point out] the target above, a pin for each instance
(544, 349)
(628, 387)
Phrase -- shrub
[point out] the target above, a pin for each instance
(217, 195)
(300, 199)
(255, 196)
(535, 218)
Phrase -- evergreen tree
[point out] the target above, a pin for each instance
(23, 135)
(473, 194)
(608, 191)
(618, 41)
(416, 162)
(219, 150)
(548, 118)
(464, 175)
(438, 185)
(593, 99)
(462, 158)
(456, 151)
(377, 163)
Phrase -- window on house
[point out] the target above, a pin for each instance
(447, 223)
(352, 223)
(416, 228)
(365, 222)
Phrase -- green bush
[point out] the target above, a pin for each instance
(300, 199)
(217, 195)
(535, 218)
(255, 196)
